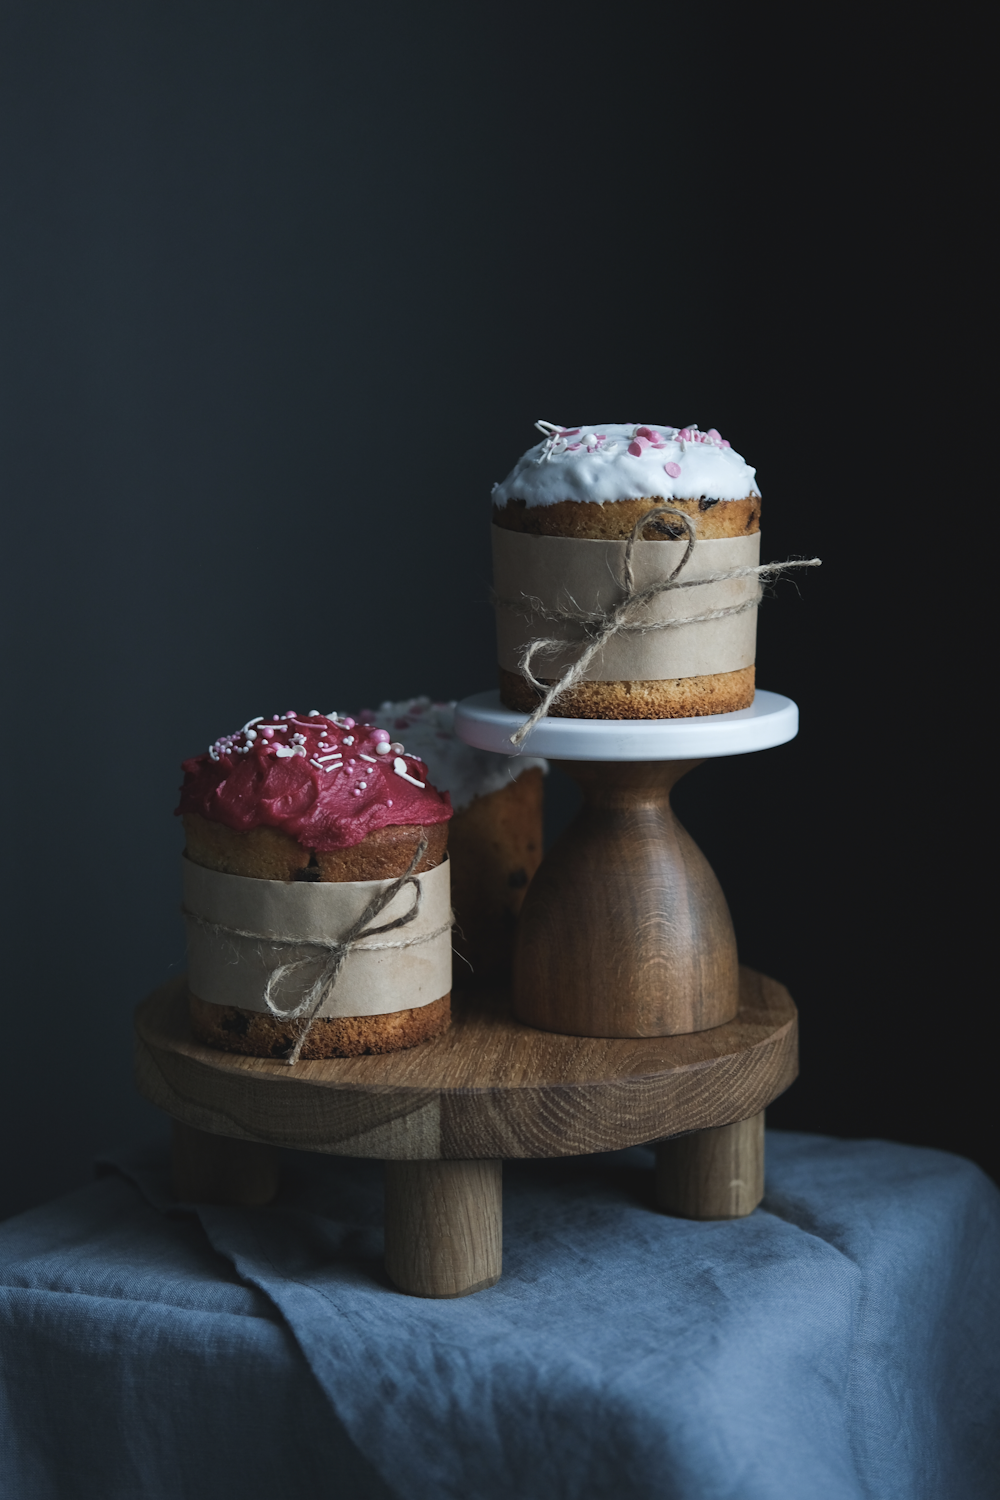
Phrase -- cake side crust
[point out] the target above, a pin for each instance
(495, 847)
(256, 1034)
(266, 853)
(615, 520)
(672, 698)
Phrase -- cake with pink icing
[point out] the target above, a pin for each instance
(313, 798)
(495, 836)
(596, 482)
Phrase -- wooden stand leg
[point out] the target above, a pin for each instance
(218, 1169)
(712, 1174)
(443, 1226)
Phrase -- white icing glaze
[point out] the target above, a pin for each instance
(453, 766)
(595, 463)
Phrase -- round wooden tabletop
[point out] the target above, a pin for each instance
(490, 1087)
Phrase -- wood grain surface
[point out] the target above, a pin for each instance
(712, 1174)
(625, 931)
(443, 1226)
(490, 1087)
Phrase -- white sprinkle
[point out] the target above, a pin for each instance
(250, 722)
(363, 785)
(316, 763)
(399, 766)
(368, 757)
(333, 755)
(382, 748)
(314, 713)
(348, 739)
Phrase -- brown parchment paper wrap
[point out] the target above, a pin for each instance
(228, 970)
(577, 573)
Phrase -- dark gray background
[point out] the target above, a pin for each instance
(285, 287)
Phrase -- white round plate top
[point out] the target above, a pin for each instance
(770, 720)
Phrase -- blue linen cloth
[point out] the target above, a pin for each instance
(841, 1342)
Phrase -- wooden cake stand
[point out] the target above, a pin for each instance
(629, 1022)
(442, 1116)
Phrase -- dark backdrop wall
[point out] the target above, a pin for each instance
(286, 286)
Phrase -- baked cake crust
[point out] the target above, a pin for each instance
(495, 847)
(256, 1034)
(671, 698)
(266, 853)
(615, 520)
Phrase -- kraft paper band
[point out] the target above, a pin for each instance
(225, 969)
(585, 575)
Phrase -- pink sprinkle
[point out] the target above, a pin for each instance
(713, 434)
(381, 737)
(725, 444)
(388, 802)
(349, 723)
(268, 733)
(648, 432)
(674, 470)
(637, 445)
(569, 431)
(572, 447)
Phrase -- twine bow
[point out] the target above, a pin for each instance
(337, 950)
(600, 626)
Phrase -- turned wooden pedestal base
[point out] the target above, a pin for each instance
(624, 930)
(444, 1115)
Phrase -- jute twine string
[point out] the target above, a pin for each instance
(600, 626)
(337, 950)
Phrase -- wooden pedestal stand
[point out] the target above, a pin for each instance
(624, 930)
(630, 1023)
(444, 1115)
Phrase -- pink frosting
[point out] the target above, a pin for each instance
(321, 778)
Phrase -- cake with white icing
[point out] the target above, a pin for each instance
(596, 482)
(495, 838)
